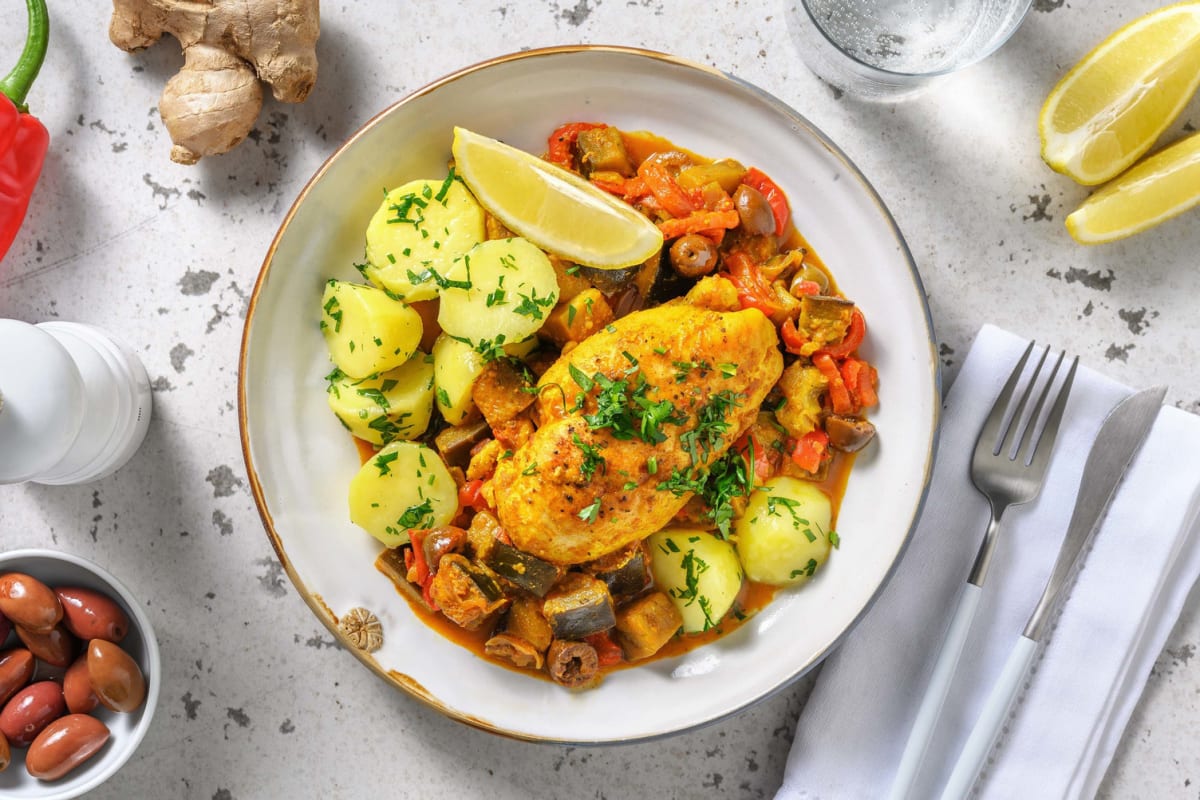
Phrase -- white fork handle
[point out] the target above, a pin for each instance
(935, 693)
(991, 721)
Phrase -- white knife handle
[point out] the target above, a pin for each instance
(991, 720)
(935, 693)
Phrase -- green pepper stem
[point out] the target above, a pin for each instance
(16, 84)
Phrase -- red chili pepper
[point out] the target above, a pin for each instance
(853, 338)
(776, 199)
(839, 395)
(471, 494)
(810, 449)
(754, 291)
(608, 652)
(23, 140)
(562, 141)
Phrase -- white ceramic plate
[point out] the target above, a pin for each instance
(300, 459)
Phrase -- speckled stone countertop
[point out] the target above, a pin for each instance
(258, 700)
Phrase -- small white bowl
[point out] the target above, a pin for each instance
(63, 569)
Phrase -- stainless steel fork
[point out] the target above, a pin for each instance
(1008, 467)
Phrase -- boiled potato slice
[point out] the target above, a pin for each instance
(698, 571)
(418, 231)
(785, 532)
(500, 292)
(456, 365)
(366, 331)
(396, 404)
(403, 487)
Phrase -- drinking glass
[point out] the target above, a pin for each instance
(892, 49)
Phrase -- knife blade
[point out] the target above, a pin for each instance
(1119, 440)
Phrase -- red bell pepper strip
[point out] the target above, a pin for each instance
(806, 287)
(419, 565)
(628, 189)
(793, 340)
(698, 222)
(839, 395)
(665, 189)
(608, 652)
(853, 338)
(562, 141)
(754, 291)
(23, 139)
(471, 494)
(810, 449)
(860, 378)
(757, 457)
(776, 199)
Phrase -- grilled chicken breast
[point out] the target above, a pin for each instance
(630, 418)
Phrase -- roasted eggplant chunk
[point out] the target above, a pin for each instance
(528, 572)
(646, 624)
(525, 621)
(625, 572)
(514, 650)
(578, 606)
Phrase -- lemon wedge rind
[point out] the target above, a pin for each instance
(1161, 187)
(552, 207)
(1112, 106)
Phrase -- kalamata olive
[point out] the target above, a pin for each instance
(65, 744)
(29, 603)
(16, 668)
(31, 710)
(77, 687)
(754, 211)
(693, 255)
(55, 646)
(439, 541)
(90, 615)
(115, 676)
(5, 753)
(5, 629)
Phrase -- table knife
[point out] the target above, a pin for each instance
(1121, 436)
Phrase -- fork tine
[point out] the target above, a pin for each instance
(1014, 423)
(1041, 456)
(1028, 443)
(990, 432)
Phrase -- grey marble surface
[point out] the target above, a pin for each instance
(258, 701)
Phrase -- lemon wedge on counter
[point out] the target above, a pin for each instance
(1162, 186)
(555, 209)
(1109, 109)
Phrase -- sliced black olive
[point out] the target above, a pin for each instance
(572, 664)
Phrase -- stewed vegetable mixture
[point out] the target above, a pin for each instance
(582, 468)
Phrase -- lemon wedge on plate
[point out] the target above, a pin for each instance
(1109, 109)
(555, 209)
(1162, 186)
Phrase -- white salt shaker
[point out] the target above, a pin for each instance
(74, 403)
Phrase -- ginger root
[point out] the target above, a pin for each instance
(228, 46)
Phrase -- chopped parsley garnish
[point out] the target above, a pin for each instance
(728, 369)
(834, 539)
(418, 516)
(376, 396)
(531, 469)
(590, 512)
(334, 312)
(592, 460)
(581, 380)
(442, 281)
(443, 397)
(382, 462)
(441, 195)
(531, 305)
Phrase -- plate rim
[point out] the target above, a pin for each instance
(314, 601)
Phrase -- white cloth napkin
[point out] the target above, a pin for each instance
(1143, 562)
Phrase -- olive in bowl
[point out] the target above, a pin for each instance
(81, 692)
